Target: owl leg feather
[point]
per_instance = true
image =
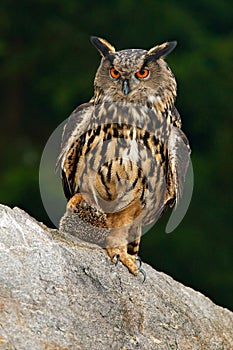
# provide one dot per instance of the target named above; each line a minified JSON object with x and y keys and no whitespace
{"x":134,"y":238}
{"x":122,"y":243}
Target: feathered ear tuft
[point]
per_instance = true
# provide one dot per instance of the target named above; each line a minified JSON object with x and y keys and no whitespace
{"x":161,"y":51}
{"x":102,"y":46}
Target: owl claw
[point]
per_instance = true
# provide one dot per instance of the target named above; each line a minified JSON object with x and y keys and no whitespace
{"x":143,"y":273}
{"x":139,"y":265}
{"x":139,"y":260}
{"x":116,"y":259}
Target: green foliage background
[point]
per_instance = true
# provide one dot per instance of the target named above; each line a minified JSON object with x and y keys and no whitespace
{"x":47,"y":69}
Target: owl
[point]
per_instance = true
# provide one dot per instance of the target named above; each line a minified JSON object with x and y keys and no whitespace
{"x":123,"y":155}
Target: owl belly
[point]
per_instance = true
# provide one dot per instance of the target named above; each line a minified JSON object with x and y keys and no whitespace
{"x":122,"y":175}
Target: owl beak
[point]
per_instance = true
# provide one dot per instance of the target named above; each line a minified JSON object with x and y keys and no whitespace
{"x":125,"y":87}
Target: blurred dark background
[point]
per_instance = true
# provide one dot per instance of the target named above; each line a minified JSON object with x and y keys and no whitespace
{"x":47,"y":69}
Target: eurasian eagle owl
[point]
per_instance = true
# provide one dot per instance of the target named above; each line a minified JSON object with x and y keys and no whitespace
{"x":123,"y":155}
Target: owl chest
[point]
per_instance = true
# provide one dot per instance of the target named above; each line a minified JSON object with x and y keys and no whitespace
{"x":115,"y":164}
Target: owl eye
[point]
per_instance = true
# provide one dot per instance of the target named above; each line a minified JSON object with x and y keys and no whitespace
{"x":114,"y":73}
{"x":143,"y":73}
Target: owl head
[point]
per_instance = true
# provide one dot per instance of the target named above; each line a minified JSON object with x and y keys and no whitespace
{"x":134,"y":75}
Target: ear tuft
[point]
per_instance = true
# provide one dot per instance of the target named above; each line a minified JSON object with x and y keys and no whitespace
{"x":161,"y":51}
{"x":102,"y":46}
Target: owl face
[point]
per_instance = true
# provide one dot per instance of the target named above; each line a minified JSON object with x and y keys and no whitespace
{"x":133,"y":75}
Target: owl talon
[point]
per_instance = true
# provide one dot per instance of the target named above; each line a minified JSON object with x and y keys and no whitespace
{"x":116,"y":259}
{"x":139,"y":264}
{"x":143,"y":273}
{"x":139,"y":260}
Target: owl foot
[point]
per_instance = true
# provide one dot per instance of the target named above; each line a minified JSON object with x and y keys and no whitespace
{"x":120,"y":254}
{"x":130,"y":261}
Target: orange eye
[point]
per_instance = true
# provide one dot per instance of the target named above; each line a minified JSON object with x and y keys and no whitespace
{"x":143,"y":73}
{"x":114,"y":73}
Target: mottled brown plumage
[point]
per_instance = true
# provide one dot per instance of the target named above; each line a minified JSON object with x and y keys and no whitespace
{"x":123,"y":155}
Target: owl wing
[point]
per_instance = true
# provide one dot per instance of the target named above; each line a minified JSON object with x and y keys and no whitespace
{"x":179,"y":158}
{"x":77,"y":124}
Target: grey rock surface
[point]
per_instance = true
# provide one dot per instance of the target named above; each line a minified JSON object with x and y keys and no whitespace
{"x":57,"y":293}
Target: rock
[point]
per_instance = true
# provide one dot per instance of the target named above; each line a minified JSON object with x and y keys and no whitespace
{"x":57,"y":293}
